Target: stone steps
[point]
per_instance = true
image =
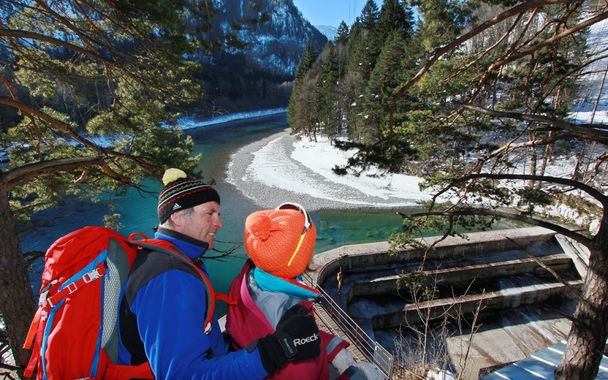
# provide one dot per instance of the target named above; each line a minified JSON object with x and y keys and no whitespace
{"x":456,"y":273}
{"x":465,"y":305}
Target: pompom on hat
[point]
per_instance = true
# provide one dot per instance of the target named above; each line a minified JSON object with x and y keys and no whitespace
{"x":280,"y":241}
{"x":181,"y":192}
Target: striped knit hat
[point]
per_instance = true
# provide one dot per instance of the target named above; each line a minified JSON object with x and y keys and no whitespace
{"x":181,"y":192}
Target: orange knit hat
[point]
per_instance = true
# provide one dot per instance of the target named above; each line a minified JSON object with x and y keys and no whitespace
{"x":280,"y":241}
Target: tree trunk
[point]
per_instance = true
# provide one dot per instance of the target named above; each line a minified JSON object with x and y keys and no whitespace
{"x":589,"y":327}
{"x":17,"y":303}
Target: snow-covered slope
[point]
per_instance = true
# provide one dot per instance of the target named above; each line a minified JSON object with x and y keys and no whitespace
{"x":275,"y":45}
{"x":328,"y":31}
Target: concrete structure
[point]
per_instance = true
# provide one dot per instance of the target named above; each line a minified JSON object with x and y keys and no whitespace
{"x":372,"y":255}
{"x":526,"y":276}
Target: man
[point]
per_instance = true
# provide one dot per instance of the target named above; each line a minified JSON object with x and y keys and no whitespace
{"x":340,"y":278}
{"x":164,"y":304}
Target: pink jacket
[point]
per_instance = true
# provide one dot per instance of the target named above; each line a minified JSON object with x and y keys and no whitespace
{"x":246,"y":322}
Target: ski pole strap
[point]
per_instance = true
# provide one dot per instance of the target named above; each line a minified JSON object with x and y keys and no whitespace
{"x":33,"y":362}
{"x":29,"y":340}
{"x":31,"y":333}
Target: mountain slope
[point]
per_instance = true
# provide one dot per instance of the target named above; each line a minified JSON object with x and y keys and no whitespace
{"x":259,"y":74}
{"x":276,"y":44}
{"x":328,"y":31}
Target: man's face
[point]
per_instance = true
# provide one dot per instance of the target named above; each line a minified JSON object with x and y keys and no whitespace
{"x":203,"y":222}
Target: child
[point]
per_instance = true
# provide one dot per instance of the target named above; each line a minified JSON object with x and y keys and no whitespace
{"x":280,"y":244}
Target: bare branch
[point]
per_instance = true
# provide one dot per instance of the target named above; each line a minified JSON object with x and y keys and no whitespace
{"x":547,"y":42}
{"x":593,"y":132}
{"x":87,"y":40}
{"x":598,"y":195}
{"x":512,"y":146}
{"x":500,"y":40}
{"x":600,"y":160}
{"x":9,"y":86}
{"x":516,"y":10}
{"x":448,"y":232}
{"x":578,"y":69}
{"x":551,"y":271}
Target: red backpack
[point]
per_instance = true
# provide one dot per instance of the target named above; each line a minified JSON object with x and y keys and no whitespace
{"x":74,"y":333}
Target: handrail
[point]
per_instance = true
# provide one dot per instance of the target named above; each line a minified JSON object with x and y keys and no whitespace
{"x":372,"y":350}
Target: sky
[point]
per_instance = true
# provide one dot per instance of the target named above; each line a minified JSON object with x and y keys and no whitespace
{"x":331,"y":12}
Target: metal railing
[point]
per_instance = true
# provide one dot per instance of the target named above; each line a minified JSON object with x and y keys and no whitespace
{"x":368,"y":347}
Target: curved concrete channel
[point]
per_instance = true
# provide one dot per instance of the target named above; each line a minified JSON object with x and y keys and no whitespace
{"x":516,"y":284}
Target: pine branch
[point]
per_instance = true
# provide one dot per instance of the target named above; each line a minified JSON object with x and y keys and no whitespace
{"x":24,"y":173}
{"x":15,"y":33}
{"x":35,"y":112}
{"x":511,"y":214}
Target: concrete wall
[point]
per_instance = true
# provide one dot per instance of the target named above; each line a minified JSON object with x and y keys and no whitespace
{"x":388,"y":285}
{"x":376,"y":254}
{"x":467,"y":304}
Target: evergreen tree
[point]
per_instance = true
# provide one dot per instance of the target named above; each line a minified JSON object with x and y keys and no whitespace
{"x":394,"y":17}
{"x":369,"y":15}
{"x":342,"y":34}
{"x":364,"y":48}
{"x":73,"y":70}
{"x":442,"y":20}
{"x":362,"y":54}
{"x":307,"y":118}
{"x":383,"y":81}
{"x":328,"y":109}
{"x":308,"y":57}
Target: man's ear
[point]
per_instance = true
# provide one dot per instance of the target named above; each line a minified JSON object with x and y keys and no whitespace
{"x":177,"y":218}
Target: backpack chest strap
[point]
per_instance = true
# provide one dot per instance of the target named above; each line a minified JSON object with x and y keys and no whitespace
{"x":99,"y":271}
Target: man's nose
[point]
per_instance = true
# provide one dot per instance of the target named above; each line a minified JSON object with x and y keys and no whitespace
{"x":219,"y":223}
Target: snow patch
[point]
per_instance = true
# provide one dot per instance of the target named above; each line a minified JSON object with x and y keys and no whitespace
{"x":193,"y":122}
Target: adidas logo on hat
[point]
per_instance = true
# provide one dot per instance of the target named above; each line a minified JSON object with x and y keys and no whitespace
{"x":176,"y":206}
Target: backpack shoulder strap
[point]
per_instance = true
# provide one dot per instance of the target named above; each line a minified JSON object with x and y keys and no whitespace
{"x":166,"y":247}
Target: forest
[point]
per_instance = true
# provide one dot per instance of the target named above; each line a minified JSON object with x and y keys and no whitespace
{"x":477,"y":97}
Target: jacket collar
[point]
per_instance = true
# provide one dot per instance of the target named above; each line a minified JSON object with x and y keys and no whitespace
{"x":193,"y":248}
{"x":293,"y":288}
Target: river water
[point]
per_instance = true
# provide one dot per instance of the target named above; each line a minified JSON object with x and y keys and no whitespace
{"x":216,"y":143}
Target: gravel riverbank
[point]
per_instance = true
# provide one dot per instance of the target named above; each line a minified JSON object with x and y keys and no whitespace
{"x":266,"y":172}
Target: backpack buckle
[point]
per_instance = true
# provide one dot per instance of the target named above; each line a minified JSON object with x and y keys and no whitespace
{"x":44,"y":293}
{"x":42,"y":299}
{"x":91,"y":276}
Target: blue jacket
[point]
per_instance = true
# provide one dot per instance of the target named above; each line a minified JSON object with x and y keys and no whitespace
{"x":169,"y":311}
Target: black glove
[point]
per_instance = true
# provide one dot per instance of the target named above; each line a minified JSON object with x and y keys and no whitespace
{"x":296,"y":338}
